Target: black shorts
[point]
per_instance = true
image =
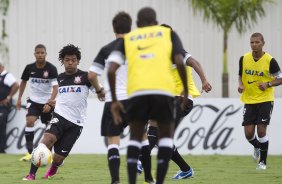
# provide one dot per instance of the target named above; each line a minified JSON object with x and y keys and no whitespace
{"x":181,"y":113}
{"x":35,"y":109}
{"x":257,"y":113}
{"x":66,"y":133}
{"x":151,"y":107}
{"x":108,"y":127}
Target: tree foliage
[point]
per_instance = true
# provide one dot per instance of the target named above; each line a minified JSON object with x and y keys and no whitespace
{"x":4,"y":6}
{"x":224,"y":13}
{"x":243,"y":14}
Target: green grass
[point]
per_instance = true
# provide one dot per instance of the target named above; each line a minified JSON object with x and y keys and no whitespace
{"x":83,"y":169}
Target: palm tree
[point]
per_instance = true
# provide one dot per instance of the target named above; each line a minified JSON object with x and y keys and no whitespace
{"x":224,"y":13}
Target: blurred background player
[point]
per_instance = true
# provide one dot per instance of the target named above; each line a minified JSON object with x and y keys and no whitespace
{"x":185,"y":170}
{"x":150,"y":51}
{"x":259,"y":72}
{"x":121,"y":25}
{"x":43,"y":90}
{"x":8,"y":87}
{"x":70,"y":111}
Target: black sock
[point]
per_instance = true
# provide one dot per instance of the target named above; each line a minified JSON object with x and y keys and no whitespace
{"x":33,"y":169}
{"x":255,"y":142}
{"x":176,"y":157}
{"x":163,"y":157}
{"x":29,"y":136}
{"x":153,"y":137}
{"x":146,"y":162}
{"x":263,"y":151}
{"x":132,"y":158}
{"x":114,"y":163}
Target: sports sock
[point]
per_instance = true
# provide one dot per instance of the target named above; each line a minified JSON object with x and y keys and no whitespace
{"x":153,"y":137}
{"x":29,"y":136}
{"x":177,"y":158}
{"x":254,"y":142}
{"x":163,"y":157}
{"x":33,"y":169}
{"x":133,"y":151}
{"x":114,"y":161}
{"x":263,"y":148}
{"x":146,"y":160}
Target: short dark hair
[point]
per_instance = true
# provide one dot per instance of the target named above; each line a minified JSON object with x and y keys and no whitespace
{"x":122,"y":23}
{"x":258,"y":35}
{"x":146,"y":17}
{"x":40,"y":46}
{"x":69,"y":49}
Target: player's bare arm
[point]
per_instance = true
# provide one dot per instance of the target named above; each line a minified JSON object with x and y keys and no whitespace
{"x":93,"y":79}
{"x":206,"y":86}
{"x":21,"y":91}
{"x":241,"y":86}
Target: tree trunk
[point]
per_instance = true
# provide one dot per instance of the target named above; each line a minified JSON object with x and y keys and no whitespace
{"x":225,"y":77}
{"x":225,"y":87}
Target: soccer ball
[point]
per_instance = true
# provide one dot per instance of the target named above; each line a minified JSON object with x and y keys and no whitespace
{"x":41,"y":156}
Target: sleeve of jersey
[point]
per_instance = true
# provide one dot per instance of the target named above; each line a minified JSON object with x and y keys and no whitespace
{"x":98,"y":63}
{"x":54,"y":76}
{"x":116,"y":57}
{"x":275,"y":69}
{"x":177,"y":47}
{"x":186,"y":56}
{"x":25,"y":75}
{"x":9,"y":80}
{"x":241,"y":66}
{"x":54,"y":82}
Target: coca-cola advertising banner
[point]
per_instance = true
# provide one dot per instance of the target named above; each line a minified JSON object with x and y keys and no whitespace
{"x":214,"y":126}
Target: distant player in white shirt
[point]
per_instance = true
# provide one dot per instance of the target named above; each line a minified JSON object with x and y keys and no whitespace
{"x":42,"y":77}
{"x":70,"y":111}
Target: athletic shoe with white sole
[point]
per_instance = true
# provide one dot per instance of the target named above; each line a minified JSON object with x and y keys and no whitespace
{"x":183,"y":175}
{"x":261,"y":166}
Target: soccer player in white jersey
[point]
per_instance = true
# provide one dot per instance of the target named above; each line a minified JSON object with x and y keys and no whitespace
{"x":70,"y":111}
{"x":42,"y":77}
{"x":121,"y":25}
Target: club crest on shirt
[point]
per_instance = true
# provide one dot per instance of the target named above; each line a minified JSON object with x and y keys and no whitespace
{"x":45,"y":74}
{"x":77,"y":80}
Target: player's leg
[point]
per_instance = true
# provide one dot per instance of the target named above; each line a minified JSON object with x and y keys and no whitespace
{"x":67,"y":134}
{"x":252,"y":139}
{"x":162,"y":111}
{"x":4,"y":111}
{"x":249,"y":119}
{"x":185,"y":170}
{"x":137,"y":116}
{"x":48,"y":141}
{"x":33,"y":112}
{"x":112,"y":133}
{"x":133,"y":149}
{"x":265,"y":111}
{"x":165,"y":149}
{"x":146,"y":159}
{"x":114,"y":157}
{"x":153,"y":133}
{"x":263,"y":141}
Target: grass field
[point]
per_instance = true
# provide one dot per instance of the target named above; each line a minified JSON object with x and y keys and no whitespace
{"x":83,"y":169}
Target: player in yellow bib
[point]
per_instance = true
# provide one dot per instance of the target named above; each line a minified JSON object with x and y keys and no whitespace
{"x":259,"y":72}
{"x":185,"y":171}
{"x":150,"y":51}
